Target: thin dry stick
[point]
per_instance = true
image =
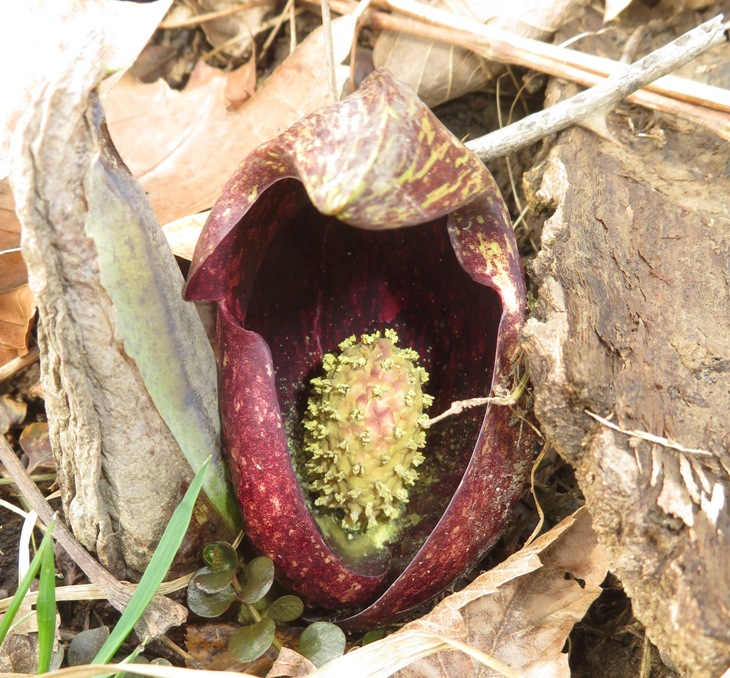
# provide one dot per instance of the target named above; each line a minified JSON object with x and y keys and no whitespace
{"x":502,"y":46}
{"x":285,"y":13}
{"x":17,"y":364}
{"x":210,"y":16}
{"x":329,"y":50}
{"x":603,"y":96}
{"x":650,"y":437}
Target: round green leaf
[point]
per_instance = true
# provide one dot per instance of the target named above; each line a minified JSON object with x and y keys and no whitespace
{"x":285,"y":609}
{"x":372,"y":636}
{"x":209,"y":581}
{"x":209,"y":605}
{"x":250,"y":642}
{"x":220,"y":555}
{"x":259,"y":575}
{"x":321,"y":642}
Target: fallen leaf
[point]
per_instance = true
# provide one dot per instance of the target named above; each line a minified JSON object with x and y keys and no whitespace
{"x":128,"y":27}
{"x":440,"y":72}
{"x":241,"y":84}
{"x":183,"y":146}
{"x":437,"y":71}
{"x":290,"y":664}
{"x":17,"y":310}
{"x":19,"y":654}
{"x":231,"y":33}
{"x":207,"y":643}
{"x":12,"y":413}
{"x":514,"y":618}
{"x":522,"y":611}
{"x":37,"y":445}
{"x":9,"y":225}
{"x":182,"y":234}
{"x":613,"y":8}
{"x":17,"y":304}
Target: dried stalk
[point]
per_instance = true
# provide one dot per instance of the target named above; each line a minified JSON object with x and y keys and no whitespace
{"x":603,"y":96}
{"x":502,"y":46}
{"x":699,"y":103}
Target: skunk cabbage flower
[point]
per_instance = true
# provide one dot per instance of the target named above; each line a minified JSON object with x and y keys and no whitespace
{"x":366,"y":277}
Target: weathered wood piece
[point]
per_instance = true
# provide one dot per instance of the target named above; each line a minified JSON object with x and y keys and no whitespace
{"x":633,"y":320}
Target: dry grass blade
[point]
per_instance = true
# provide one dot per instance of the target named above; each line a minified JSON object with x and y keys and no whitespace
{"x":502,"y":46}
{"x":210,"y":16}
{"x":94,"y":592}
{"x":329,"y":50}
{"x":152,"y":670}
{"x":395,"y":652}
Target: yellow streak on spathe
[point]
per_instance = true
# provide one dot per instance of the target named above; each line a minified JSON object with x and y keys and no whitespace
{"x":462,"y":160}
{"x":427,"y":131}
{"x":410,"y":174}
{"x":493,"y":255}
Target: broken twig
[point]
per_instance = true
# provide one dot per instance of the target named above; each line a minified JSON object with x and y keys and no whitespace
{"x":603,"y":96}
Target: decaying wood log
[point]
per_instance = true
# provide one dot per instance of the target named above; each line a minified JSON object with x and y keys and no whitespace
{"x":633,"y":322}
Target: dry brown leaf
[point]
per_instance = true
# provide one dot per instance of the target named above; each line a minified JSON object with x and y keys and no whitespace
{"x":17,"y":310}
{"x":9,"y":226}
{"x":12,"y":413}
{"x":17,"y":304}
{"x":207,"y":643}
{"x":232,"y":33}
{"x":37,"y":446}
{"x":613,"y":8}
{"x":522,"y":611}
{"x":30,"y":40}
{"x":534,"y":19}
{"x":290,"y":664}
{"x":182,"y":234}
{"x":514,"y":618}
{"x":183,"y":146}
{"x":440,"y":72}
{"x":241,"y":84}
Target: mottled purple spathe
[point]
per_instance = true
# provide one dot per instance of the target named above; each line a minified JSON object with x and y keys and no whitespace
{"x":293,"y":277}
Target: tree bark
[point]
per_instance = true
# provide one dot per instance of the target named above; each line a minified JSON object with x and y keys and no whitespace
{"x":632,"y":321}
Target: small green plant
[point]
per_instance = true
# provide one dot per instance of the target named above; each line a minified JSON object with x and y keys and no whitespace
{"x":157,"y":569}
{"x":225,"y":580}
{"x":46,"y":606}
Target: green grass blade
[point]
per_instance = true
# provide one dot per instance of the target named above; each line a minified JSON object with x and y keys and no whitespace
{"x":156,"y":570}
{"x":45,"y":610}
{"x":35,"y":564}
